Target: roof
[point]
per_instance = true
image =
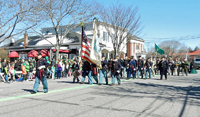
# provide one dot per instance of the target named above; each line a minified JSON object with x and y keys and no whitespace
{"x":193,"y":53}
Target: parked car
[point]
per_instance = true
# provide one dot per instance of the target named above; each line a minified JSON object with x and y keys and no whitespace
{"x":197,"y":61}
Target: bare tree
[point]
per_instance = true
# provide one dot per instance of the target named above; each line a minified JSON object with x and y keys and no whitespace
{"x":173,"y":48}
{"x":67,"y":12}
{"x":121,"y":22}
{"x":13,"y":16}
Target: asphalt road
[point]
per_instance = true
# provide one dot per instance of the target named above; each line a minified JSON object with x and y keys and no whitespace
{"x":179,"y":96}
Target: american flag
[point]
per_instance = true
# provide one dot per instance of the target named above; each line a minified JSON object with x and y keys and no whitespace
{"x":85,"y":47}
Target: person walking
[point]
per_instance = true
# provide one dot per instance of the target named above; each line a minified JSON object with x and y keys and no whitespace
{"x":125,"y":65}
{"x":115,"y":72}
{"x":103,"y":71}
{"x":132,"y":68}
{"x":148,"y":66}
{"x":41,"y":66}
{"x":163,"y":67}
{"x":140,"y":64}
{"x":86,"y":72}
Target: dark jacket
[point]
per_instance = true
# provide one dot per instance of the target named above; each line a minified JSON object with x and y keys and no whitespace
{"x":126,"y":62}
{"x":163,"y":66}
{"x":86,"y":66}
{"x":140,"y":63}
{"x":39,"y":63}
{"x":148,"y":64}
{"x":104,"y":65}
{"x":115,"y":67}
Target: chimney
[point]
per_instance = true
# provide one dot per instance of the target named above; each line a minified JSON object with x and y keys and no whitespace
{"x":25,"y":39}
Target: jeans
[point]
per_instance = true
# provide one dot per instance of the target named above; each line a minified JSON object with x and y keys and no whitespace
{"x":37,"y":83}
{"x":58,"y":74}
{"x":113,"y":78}
{"x":124,"y":72}
{"x":6,"y":78}
{"x":129,"y":73}
{"x":101,"y":74}
{"x":148,"y":71}
{"x":138,"y":73}
{"x":89,"y":77}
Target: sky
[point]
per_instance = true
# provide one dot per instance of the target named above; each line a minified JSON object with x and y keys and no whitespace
{"x":167,"y":20}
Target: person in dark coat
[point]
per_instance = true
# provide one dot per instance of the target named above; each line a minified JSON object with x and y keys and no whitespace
{"x":86,"y":68}
{"x":148,"y":65}
{"x":131,"y":69}
{"x":103,"y":71}
{"x":41,"y":66}
{"x":94,"y":73}
{"x":125,"y":65}
{"x":163,"y":67}
{"x":115,"y":71}
{"x":140,"y":64}
{"x":109,"y":67}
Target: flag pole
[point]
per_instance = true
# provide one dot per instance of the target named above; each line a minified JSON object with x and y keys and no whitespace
{"x":82,"y":24}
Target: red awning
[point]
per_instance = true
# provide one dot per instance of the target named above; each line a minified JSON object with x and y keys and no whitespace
{"x":64,"y":51}
{"x":13,"y":54}
{"x":45,"y":53}
{"x":32,"y":53}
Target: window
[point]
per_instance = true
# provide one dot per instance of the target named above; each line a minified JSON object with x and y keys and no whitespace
{"x":102,"y":54}
{"x":104,"y":36}
{"x":137,"y":47}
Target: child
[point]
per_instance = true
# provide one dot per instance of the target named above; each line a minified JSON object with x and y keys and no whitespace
{"x":6,"y":72}
{"x":11,"y":71}
{"x":24,"y":73}
{"x":53,"y":71}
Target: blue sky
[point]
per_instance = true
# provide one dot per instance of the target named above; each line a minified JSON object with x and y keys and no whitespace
{"x":167,"y":19}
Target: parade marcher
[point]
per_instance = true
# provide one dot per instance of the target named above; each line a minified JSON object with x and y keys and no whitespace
{"x":85,"y":72}
{"x":125,"y":65}
{"x":157,"y":65}
{"x":109,"y":67}
{"x":93,"y":72}
{"x":185,"y":67}
{"x":75,"y":68}
{"x":153,"y":69}
{"x":120,"y":63}
{"x":24,"y":73}
{"x":41,"y":65}
{"x":179,"y":67}
{"x":171,"y":66}
{"x":115,"y":71}
{"x":176,"y":65}
{"x":132,"y":68}
{"x":193,"y":67}
{"x":103,"y":71}
{"x":148,"y":65}
{"x":163,"y":67}
{"x":140,"y":65}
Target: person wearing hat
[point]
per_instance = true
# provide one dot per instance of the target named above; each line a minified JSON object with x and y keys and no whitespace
{"x":103,"y":71}
{"x":148,"y":65}
{"x":115,"y":71}
{"x":86,"y":69}
{"x":140,"y":64}
{"x":109,"y":67}
{"x":131,"y":69}
{"x":125,"y":65}
{"x":163,"y":67}
{"x":41,"y":66}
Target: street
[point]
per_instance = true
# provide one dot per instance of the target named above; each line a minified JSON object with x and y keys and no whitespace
{"x":179,"y":96}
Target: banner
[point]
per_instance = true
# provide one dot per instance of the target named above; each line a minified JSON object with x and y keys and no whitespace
{"x":158,"y":50}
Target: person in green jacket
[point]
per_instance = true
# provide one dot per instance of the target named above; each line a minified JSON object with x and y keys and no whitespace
{"x":27,"y":70}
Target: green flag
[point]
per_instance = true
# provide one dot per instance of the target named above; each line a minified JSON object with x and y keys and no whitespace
{"x":158,"y":50}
